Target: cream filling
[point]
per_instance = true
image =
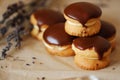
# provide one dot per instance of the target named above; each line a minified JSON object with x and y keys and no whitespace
{"x":75,"y":24}
{"x":35,"y":30}
{"x":44,"y":27}
{"x":54,"y":47}
{"x":89,"y":54}
{"x":36,"y":27}
{"x":89,"y":23}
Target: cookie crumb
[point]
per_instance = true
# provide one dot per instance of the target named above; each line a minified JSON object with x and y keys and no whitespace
{"x":6,"y":66}
{"x":113,"y":68}
{"x":1,"y":67}
{"x":33,"y":62}
{"x":28,"y":64}
{"x":41,"y":63}
{"x":34,"y":58}
{"x":43,"y":78}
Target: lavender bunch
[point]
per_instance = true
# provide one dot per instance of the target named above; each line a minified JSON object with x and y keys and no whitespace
{"x":20,"y":14}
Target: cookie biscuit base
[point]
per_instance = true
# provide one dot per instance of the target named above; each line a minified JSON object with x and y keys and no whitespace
{"x":91,"y":64}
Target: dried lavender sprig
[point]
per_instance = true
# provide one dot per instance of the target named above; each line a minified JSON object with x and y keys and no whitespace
{"x":18,"y":19}
{"x":3,"y":30}
{"x":13,"y":36}
{"x":7,"y":48}
{"x":9,"y":45}
{"x":31,"y":7}
{"x":11,"y":9}
{"x":18,"y":38}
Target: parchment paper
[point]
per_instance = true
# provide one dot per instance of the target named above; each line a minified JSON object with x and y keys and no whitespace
{"x":33,"y":62}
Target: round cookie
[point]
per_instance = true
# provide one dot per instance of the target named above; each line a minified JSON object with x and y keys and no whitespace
{"x":57,"y":41}
{"x":108,"y":31}
{"x":42,"y":19}
{"x":82,"y":19}
{"x":91,"y":53}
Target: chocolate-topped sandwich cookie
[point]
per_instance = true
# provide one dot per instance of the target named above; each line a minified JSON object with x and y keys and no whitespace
{"x":92,"y":53}
{"x":57,"y":41}
{"x":82,"y":19}
{"x":42,"y":19}
{"x":108,"y":31}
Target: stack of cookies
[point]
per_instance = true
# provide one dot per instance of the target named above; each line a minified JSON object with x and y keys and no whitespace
{"x":91,"y":50}
{"x":83,"y":34}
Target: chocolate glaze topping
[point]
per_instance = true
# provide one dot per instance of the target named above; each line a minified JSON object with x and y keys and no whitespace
{"x":107,"y":30}
{"x":48,"y":17}
{"x":82,"y":11}
{"x":56,"y":35}
{"x":100,"y":44}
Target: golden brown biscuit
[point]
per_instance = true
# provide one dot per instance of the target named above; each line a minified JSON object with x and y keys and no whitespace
{"x":91,"y":64}
{"x":59,"y":50}
{"x":82,"y":19}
